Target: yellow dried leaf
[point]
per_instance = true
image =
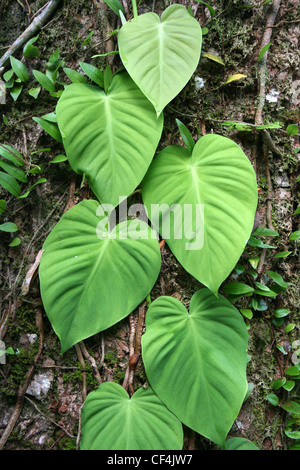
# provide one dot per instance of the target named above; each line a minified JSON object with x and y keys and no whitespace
{"x":214,"y":58}
{"x":234,"y":77}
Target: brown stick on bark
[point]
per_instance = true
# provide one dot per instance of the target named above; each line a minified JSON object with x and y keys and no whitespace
{"x":34,"y":26}
{"x":262,"y":73}
{"x":262,"y":69}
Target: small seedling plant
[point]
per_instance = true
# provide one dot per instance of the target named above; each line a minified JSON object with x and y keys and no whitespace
{"x":199,"y":197}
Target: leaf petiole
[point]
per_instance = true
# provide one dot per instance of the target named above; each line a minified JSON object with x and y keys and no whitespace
{"x":134,"y":9}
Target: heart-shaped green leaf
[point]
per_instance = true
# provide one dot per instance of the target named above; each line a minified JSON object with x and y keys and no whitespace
{"x":161,"y":54}
{"x":196,"y":362}
{"x":112,"y":421}
{"x":91,"y":277}
{"x":212,"y":193}
{"x":239,"y":443}
{"x":111,"y":138}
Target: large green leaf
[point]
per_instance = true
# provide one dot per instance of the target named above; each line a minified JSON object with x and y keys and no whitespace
{"x":239,"y":443}
{"x":110,"y":138}
{"x":213,"y":195}
{"x":161,"y":54}
{"x":92,"y":277}
{"x":196,"y":362}
{"x":113,"y":421}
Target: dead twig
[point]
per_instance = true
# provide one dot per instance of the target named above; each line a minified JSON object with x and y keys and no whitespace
{"x":32,"y":29}
{"x":105,"y":27}
{"x":82,"y":363}
{"x":267,"y":141}
{"x":268,"y":214}
{"x":48,"y":418}
{"x":262,"y":66}
{"x":129,"y":374}
{"x":92,"y":361}
{"x":135,"y":338}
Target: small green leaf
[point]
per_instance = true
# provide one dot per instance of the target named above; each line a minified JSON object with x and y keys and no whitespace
{"x":293,"y":370}
{"x":107,"y":78}
{"x":16,"y":241}
{"x":41,"y":180}
{"x":254,"y":261}
{"x":247,"y":313}
{"x":279,"y":383}
{"x":265,"y":232}
{"x":106,"y":54}
{"x":19,"y":69}
{"x":209,"y":7}
{"x":297,"y":211}
{"x":15,"y":92}
{"x":51,"y":117}
{"x":34,"y":92}
{"x":9,"y":183}
{"x":281,"y":312}
{"x":8,"y":75}
{"x":294,"y":235}
{"x":289,"y":327}
{"x":88,"y":39}
{"x":292,"y":434}
{"x":74,"y":76}
{"x":44,"y":81}
{"x":292,"y":129}
{"x":54,"y":57}
{"x":59,"y":159}
{"x":189,"y":9}
{"x":258,"y":243}
{"x":265,"y":293}
{"x":50,"y":127}
{"x":279,"y":346}
{"x":259,"y":304}
{"x":13,"y":171}
{"x":186,"y":135}
{"x":93,"y":73}
{"x":31,"y":51}
{"x":116,"y":6}
{"x":263,"y":51}
{"x":9,"y":227}
{"x":278,"y":279}
{"x":261,"y":286}
{"x":291,"y":407}
{"x":237,"y":288}
{"x":273,"y":399}
{"x":274,"y":125}
{"x":289,"y":385}
{"x":239,"y":269}
{"x":2,"y":206}
{"x":11,"y":154}
{"x":10,"y":350}
{"x":282,"y":254}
